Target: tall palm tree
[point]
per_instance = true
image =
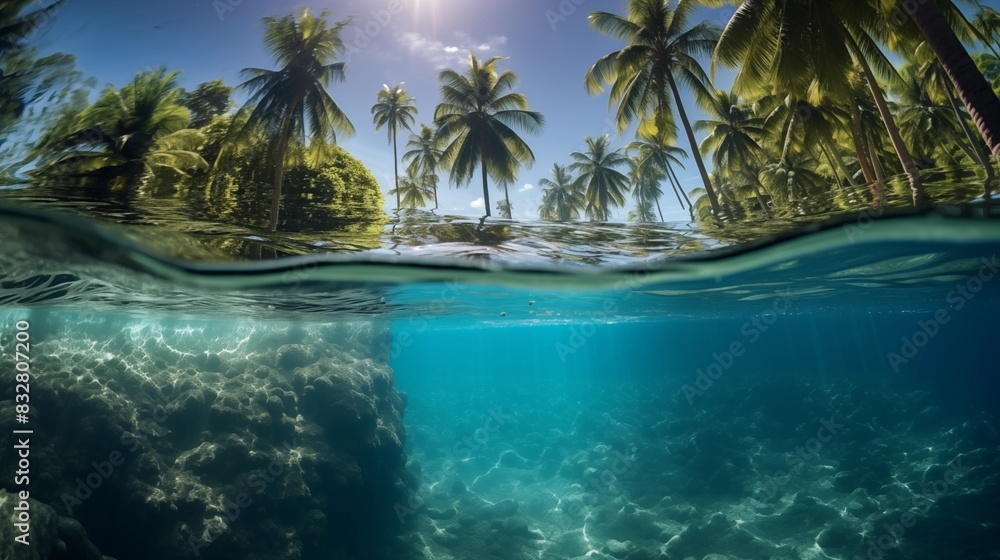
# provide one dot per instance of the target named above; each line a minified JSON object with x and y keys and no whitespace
{"x":476,"y":121}
{"x":732,"y":140}
{"x":291,"y":103}
{"x":661,"y":50}
{"x":598,"y":171}
{"x":395,"y":109}
{"x":127,"y":135}
{"x":561,"y":199}
{"x":423,"y":157}
{"x":979,"y":98}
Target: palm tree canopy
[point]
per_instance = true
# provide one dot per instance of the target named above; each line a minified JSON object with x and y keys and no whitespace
{"x":304,"y":49}
{"x":604,"y":185}
{"x":476,"y":120}
{"x":659,"y":41}
{"x":395,"y":109}
{"x":733,"y":129}
{"x":424,"y":154}
{"x":141,"y":127}
{"x":561,"y":199}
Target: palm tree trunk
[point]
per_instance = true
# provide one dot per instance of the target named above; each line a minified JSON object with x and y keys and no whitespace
{"x":694,"y":146}
{"x":680,"y":188}
{"x":905,"y":159}
{"x":979,"y":98}
{"x":876,"y":162}
{"x":875,"y":185}
{"x":435,"y":196}
{"x":506,"y":196}
{"x":973,"y":141}
{"x":395,"y":161}
{"x":840,"y":163}
{"x":833,"y":165}
{"x":753,"y":183}
{"x":486,"y":190}
{"x":658,"y":210}
{"x":789,"y":132}
{"x":281,"y":146}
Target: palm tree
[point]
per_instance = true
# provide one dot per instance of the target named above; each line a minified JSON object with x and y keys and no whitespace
{"x":979,"y":98}
{"x":810,"y":49}
{"x":654,"y":156}
{"x":924,"y":121}
{"x":412,"y":192}
{"x":643,"y":212}
{"x":732,"y":140}
{"x":424,"y":157}
{"x":647,"y":192}
{"x":292,"y":102}
{"x":987,"y":22}
{"x":15,"y":27}
{"x":604,"y":186}
{"x":562,"y":199}
{"x":127,"y":135}
{"x":476,"y":121}
{"x":394,"y":110}
{"x":504,"y":208}
{"x":661,"y":50}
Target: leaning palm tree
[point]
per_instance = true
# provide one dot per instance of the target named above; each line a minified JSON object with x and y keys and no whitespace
{"x":394,"y":110}
{"x":598,"y":171}
{"x":291,"y":104}
{"x":127,"y":136}
{"x":979,"y":98}
{"x":810,"y":49}
{"x":476,"y":121}
{"x":423,"y":157}
{"x":561,"y":199}
{"x":17,"y":23}
{"x":661,"y":50}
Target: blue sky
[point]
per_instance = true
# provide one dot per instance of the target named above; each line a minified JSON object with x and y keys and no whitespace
{"x":206,"y":39}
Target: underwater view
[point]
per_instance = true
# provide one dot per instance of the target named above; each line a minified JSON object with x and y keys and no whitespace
{"x":630,"y":280}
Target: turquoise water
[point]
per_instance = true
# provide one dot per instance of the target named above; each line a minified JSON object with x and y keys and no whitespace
{"x":830,"y":395}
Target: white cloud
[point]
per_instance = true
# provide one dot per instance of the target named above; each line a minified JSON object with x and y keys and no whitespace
{"x":527,"y":187}
{"x":444,"y":55}
{"x":478,"y":203}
